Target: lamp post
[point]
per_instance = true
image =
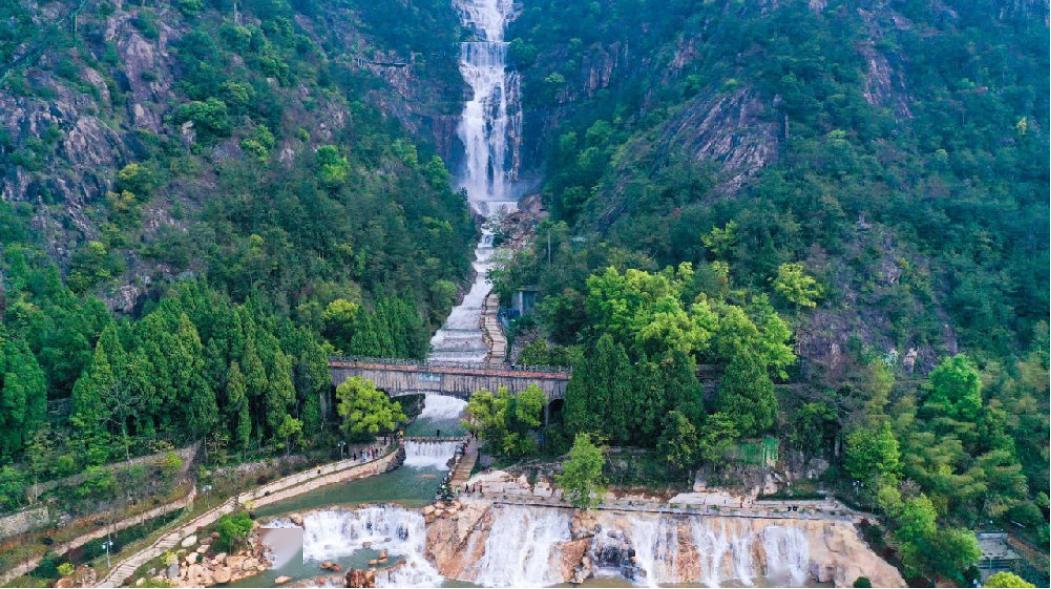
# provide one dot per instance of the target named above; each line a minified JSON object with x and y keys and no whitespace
{"x":108,"y":544}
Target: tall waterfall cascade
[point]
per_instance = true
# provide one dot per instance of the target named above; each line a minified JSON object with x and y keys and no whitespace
{"x":490,"y":130}
{"x":491,"y":121}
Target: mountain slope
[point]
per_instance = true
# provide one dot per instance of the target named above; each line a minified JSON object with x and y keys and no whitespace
{"x":896,"y":149}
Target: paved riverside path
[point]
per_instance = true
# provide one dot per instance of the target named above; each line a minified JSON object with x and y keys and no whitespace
{"x":283,"y":488}
{"x":28,"y":566}
{"x":803,"y":510}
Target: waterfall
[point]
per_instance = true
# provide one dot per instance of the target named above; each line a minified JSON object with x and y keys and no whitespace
{"x":522,"y":548}
{"x":441,"y":407}
{"x":787,"y":554}
{"x":429,"y":454}
{"x":335,"y":533}
{"x":491,"y":120}
{"x":489,"y":128}
{"x":437,"y":407}
{"x":652,"y":550}
{"x":646,"y":551}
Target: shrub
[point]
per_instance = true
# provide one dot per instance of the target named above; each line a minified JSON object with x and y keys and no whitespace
{"x":233,"y":530}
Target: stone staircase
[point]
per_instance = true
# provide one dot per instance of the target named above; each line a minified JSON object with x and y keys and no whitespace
{"x":463,"y":468}
{"x":492,"y":332}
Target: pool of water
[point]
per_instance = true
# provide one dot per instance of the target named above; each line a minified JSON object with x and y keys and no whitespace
{"x":441,"y":415}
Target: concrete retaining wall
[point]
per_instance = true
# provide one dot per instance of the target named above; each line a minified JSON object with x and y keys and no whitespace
{"x":30,"y":518}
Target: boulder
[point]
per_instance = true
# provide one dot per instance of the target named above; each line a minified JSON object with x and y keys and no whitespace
{"x":296,"y":519}
{"x":282,"y":580}
{"x":360,"y":578}
{"x":234,"y":561}
{"x":328,"y":565}
{"x":188,"y":541}
{"x":223,"y":575}
{"x":202,"y":549}
{"x":219,"y":558}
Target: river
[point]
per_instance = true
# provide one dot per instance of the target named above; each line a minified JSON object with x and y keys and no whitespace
{"x":491,"y":545}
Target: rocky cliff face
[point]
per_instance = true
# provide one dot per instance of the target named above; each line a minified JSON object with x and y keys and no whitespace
{"x":95,"y":93}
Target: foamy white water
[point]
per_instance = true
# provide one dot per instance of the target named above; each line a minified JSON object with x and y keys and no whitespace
{"x":429,"y":454}
{"x":336,"y":533}
{"x":489,"y":128}
{"x":437,"y":407}
{"x":522,"y":549}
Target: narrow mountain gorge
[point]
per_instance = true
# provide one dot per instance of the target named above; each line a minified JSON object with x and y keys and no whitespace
{"x":753,"y":292}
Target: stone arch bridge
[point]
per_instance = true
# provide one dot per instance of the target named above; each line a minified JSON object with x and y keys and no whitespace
{"x":399,"y":377}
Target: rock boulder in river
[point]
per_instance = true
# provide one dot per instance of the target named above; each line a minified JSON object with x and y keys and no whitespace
{"x":360,"y":578}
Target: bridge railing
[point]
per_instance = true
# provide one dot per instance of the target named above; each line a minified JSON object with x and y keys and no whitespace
{"x":428,"y":364}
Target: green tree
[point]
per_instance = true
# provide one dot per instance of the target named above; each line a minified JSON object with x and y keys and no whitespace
{"x":581,"y":478}
{"x":1006,"y":579}
{"x":505,"y":421}
{"x":280,"y":394}
{"x":715,"y":436}
{"x":678,"y":442}
{"x":233,"y":530}
{"x":746,"y":394}
{"x":872,"y":455}
{"x":333,"y":168}
{"x":196,"y":395}
{"x":339,"y":317}
{"x":796,"y":286}
{"x":955,"y":389}
{"x":291,"y":431}
{"x":366,"y":411}
{"x":23,"y":397}
{"x":239,"y":421}
{"x":814,"y":427}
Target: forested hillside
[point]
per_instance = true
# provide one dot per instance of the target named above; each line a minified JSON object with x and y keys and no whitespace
{"x":838,"y":207}
{"x":201,"y":202}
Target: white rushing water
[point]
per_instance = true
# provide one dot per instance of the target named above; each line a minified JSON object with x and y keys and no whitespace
{"x":489,"y":129}
{"x":336,"y":533}
{"x":439,"y":407}
{"x":491,"y":120}
{"x":653,"y":550}
{"x":787,"y":555}
{"x":429,"y":454}
{"x":522,"y":548}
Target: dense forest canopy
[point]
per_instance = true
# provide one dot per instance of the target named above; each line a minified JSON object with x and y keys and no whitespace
{"x":268,"y":217}
{"x":818,"y":226}
{"x":867,"y":181}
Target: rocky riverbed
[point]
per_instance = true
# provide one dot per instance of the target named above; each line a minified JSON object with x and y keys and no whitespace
{"x":195,"y":563}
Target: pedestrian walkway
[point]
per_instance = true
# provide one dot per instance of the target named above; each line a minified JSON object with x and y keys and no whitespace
{"x":465,"y":466}
{"x":797,"y":512}
{"x":492,"y":333}
{"x":272,"y":492}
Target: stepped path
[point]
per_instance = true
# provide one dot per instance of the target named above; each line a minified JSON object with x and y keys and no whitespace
{"x":492,"y":333}
{"x":465,"y":466}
